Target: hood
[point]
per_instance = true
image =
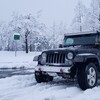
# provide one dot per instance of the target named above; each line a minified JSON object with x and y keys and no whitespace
{"x":77,"y":49}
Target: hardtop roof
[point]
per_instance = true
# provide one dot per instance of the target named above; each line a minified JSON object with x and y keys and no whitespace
{"x":82,"y":33}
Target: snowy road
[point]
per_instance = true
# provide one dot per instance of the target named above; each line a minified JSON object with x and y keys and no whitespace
{"x":8,"y":72}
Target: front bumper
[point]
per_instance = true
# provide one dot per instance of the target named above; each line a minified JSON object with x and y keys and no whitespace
{"x":53,"y":69}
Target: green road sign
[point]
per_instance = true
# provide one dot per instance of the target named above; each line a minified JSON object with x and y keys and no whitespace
{"x":16,"y":36}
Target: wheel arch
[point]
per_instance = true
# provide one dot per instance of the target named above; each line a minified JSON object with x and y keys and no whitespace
{"x":83,"y":59}
{"x":95,"y":61}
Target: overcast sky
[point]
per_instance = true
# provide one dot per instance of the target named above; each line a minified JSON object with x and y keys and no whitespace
{"x":52,"y":10}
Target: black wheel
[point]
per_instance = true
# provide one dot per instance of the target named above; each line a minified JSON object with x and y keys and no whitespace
{"x":38,"y":77}
{"x":50,"y":78}
{"x":42,"y":77}
{"x":87,"y":76}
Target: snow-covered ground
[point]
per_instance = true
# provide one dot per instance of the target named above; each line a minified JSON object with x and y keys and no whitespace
{"x":9,"y":60}
{"x":24,"y":87}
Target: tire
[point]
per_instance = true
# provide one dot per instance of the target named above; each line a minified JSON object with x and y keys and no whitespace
{"x":50,"y":78}
{"x":87,"y":76}
{"x":38,"y":77}
{"x":42,"y":77}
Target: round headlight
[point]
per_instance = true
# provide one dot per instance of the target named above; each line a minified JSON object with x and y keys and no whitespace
{"x":70,"y":55}
{"x":43,"y":58}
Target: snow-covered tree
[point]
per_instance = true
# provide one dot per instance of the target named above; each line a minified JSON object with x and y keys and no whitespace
{"x":56,"y":34}
{"x":35,"y":36}
{"x":78,"y":21}
{"x":92,"y":20}
{"x":5,"y":37}
{"x":28,"y":27}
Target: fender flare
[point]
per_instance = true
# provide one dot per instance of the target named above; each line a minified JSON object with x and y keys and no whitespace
{"x":83,"y":57}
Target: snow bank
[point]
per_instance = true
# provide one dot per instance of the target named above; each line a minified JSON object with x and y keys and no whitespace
{"x":9,"y":60}
{"x":26,"y":88}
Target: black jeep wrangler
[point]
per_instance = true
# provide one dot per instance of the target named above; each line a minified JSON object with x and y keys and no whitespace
{"x":77,"y":58}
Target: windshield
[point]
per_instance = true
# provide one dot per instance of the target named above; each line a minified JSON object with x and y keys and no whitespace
{"x":79,"y":40}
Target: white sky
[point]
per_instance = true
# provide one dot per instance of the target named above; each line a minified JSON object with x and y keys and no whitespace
{"x":52,"y":10}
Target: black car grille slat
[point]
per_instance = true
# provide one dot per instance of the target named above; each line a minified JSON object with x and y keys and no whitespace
{"x":58,"y":58}
{"x":50,"y":59}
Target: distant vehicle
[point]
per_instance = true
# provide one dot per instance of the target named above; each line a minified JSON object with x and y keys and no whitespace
{"x":77,"y":58}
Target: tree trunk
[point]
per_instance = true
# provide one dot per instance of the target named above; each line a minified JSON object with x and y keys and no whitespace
{"x":26,"y":39}
{"x":80,"y":28}
{"x":30,"y":47}
{"x":8,"y":46}
{"x":26,"y":43}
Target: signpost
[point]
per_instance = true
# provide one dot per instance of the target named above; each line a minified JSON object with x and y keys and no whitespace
{"x":16,"y":38}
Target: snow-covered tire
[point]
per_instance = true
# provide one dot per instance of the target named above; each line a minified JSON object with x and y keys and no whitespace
{"x":87,"y":76}
{"x":50,"y":78}
{"x":42,"y":77}
{"x":38,"y":77}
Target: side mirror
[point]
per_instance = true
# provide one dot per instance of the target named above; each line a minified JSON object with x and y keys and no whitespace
{"x":60,"y":46}
{"x":35,"y":58}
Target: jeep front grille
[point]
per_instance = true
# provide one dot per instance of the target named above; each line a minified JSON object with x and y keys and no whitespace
{"x":58,"y":58}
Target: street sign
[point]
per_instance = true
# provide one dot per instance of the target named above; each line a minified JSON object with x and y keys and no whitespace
{"x":16,"y":36}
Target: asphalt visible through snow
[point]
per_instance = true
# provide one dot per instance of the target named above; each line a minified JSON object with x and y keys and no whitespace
{"x":8,"y":72}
